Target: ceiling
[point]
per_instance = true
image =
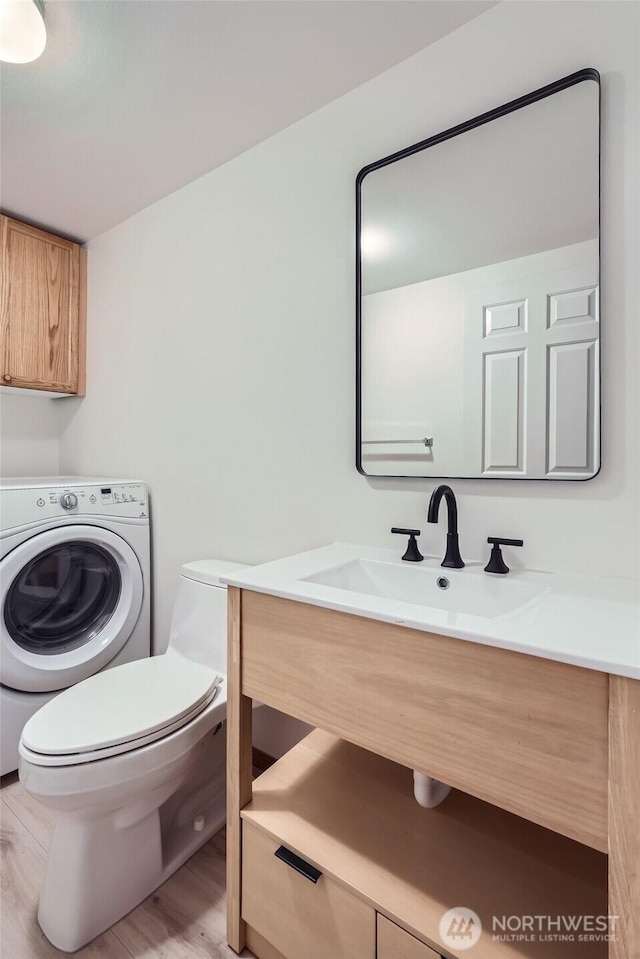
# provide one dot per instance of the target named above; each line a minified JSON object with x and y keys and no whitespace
{"x":133,"y":99}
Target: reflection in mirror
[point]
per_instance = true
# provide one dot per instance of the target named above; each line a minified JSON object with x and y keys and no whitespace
{"x":478,"y":306}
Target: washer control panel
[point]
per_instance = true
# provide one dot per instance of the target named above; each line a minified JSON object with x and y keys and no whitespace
{"x":32,"y":504}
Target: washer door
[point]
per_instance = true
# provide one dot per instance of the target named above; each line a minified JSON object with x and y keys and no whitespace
{"x":70,"y":600}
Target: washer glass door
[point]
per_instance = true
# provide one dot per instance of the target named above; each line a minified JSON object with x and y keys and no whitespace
{"x":70,"y":597}
{"x":62,"y":598}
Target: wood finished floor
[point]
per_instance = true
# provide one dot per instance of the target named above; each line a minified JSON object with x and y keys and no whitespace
{"x":183,"y":919}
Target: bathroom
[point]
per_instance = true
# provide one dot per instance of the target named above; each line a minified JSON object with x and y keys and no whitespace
{"x":220,"y":333}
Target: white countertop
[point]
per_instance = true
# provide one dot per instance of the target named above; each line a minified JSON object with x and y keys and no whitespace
{"x":587,"y":621}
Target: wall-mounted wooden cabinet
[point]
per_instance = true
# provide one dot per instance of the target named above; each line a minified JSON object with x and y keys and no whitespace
{"x":42,"y":310}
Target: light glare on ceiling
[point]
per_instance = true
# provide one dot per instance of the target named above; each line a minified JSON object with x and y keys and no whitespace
{"x":23,"y":36}
{"x":375,"y":242}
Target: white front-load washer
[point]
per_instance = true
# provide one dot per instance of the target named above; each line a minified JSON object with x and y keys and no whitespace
{"x":74,"y":589}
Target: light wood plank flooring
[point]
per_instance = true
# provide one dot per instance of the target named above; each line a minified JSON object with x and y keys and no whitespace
{"x":183,"y":919}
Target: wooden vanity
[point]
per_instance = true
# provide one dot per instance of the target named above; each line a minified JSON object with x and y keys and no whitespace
{"x":543,"y":758}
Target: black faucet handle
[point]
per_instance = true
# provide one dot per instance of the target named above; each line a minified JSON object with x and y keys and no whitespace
{"x":496,"y":563}
{"x":412,"y":554}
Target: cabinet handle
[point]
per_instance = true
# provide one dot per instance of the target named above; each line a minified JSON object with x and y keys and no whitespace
{"x":7,"y":378}
{"x":300,"y":865}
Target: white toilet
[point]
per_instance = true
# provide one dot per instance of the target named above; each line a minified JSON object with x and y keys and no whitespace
{"x":133,"y":762}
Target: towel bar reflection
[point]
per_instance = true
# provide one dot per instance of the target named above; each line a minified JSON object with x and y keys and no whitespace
{"x":424,"y":441}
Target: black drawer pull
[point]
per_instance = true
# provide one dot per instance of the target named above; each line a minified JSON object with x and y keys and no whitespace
{"x":300,"y":865}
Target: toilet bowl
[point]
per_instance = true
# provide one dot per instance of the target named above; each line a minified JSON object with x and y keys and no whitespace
{"x":132,"y":761}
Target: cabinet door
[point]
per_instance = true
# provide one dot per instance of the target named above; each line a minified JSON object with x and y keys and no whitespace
{"x":40,"y":309}
{"x":301,"y":917}
{"x":395,"y":943}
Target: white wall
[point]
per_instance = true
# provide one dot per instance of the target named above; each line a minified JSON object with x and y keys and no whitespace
{"x":412,"y":361}
{"x":30,"y":430}
{"x":221,"y":325}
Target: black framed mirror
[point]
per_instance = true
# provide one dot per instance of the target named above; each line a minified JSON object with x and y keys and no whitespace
{"x":477,"y":295}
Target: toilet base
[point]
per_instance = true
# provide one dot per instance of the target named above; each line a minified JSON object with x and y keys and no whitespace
{"x":102,"y":864}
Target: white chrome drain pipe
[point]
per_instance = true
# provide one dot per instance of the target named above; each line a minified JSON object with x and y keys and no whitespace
{"x":429,"y":792}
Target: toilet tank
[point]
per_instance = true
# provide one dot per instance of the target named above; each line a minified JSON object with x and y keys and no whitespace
{"x":199,"y":622}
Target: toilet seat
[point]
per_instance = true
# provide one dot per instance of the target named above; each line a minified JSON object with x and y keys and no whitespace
{"x":119,"y":710}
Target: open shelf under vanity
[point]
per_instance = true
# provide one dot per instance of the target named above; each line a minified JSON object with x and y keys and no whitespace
{"x":391,"y":869}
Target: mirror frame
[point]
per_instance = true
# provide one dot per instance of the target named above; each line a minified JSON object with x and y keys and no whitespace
{"x":588,"y":73}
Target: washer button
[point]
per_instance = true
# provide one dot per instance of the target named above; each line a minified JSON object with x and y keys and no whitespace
{"x":41,"y":502}
{"x":92,"y":498}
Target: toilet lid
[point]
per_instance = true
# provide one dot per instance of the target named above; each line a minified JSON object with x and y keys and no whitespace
{"x":120,"y":705}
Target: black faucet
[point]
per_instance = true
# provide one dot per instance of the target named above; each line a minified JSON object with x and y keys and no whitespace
{"x":452,"y":558}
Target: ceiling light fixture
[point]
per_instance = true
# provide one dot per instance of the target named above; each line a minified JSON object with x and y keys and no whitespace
{"x":23,"y":36}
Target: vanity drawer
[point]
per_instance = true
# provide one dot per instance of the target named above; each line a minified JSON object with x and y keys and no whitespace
{"x":301,"y":918}
{"x":395,"y":943}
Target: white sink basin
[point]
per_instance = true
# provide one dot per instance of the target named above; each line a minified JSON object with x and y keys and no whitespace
{"x":584,"y":620}
{"x":469,"y":590}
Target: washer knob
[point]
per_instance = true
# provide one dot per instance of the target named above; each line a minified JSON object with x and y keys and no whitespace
{"x":68,"y":501}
